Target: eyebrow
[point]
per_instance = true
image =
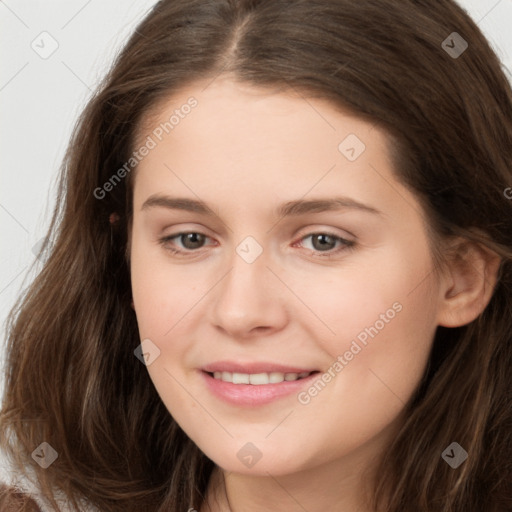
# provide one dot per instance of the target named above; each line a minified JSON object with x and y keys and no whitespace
{"x":290,"y":208}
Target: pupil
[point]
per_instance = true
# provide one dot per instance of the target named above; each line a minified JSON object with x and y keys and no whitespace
{"x":323,"y":239}
{"x":193,"y":240}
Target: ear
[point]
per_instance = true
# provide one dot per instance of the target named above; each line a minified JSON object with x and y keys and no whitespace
{"x":467,"y":284}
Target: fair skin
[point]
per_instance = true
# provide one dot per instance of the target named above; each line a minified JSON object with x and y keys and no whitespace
{"x":245,"y":151}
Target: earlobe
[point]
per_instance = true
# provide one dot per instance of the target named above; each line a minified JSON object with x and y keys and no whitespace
{"x":468,"y":285}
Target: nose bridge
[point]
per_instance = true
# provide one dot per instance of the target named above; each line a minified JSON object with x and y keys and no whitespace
{"x":247,"y":281}
{"x":247,"y":298}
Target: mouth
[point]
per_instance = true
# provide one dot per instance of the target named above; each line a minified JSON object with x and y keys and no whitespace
{"x":257,"y":388}
{"x":261,"y":378}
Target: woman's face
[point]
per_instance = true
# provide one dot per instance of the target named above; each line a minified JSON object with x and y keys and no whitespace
{"x":304,"y":254}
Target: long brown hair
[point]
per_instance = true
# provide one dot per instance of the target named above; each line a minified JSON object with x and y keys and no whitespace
{"x":72,"y":379}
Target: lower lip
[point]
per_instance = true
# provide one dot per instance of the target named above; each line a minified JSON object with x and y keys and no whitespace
{"x":252,"y":395}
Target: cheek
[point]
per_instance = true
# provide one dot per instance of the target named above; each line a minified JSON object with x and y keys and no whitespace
{"x":162,"y":292}
{"x":378,"y":357}
{"x":379,"y":316}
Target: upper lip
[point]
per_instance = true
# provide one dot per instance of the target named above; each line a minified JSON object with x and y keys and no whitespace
{"x":253,"y":367}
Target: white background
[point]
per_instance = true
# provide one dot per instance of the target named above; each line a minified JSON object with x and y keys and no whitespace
{"x":40,"y":100}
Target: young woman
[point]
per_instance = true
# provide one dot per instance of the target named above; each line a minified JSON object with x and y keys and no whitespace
{"x":279,"y":273}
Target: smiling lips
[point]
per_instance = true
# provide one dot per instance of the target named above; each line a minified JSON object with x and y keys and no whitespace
{"x":254,"y":383}
{"x":255,"y":373}
{"x":257,"y":379}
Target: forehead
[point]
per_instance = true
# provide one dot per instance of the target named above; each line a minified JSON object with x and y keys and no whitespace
{"x":223,"y":106}
{"x":279,"y":143}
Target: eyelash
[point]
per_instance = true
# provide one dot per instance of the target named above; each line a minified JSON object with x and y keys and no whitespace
{"x":346,"y":244}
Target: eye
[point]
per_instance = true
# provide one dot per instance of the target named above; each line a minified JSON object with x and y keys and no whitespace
{"x":189,"y":241}
{"x":326,"y":243}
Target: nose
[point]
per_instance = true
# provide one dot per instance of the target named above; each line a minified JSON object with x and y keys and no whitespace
{"x":249,"y":301}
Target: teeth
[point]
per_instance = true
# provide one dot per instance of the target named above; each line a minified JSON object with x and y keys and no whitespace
{"x":240,"y":378}
{"x":275,"y":377}
{"x":258,"y":379}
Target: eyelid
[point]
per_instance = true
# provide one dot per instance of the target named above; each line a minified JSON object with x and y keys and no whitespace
{"x":320,"y":229}
{"x":166,"y":238}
